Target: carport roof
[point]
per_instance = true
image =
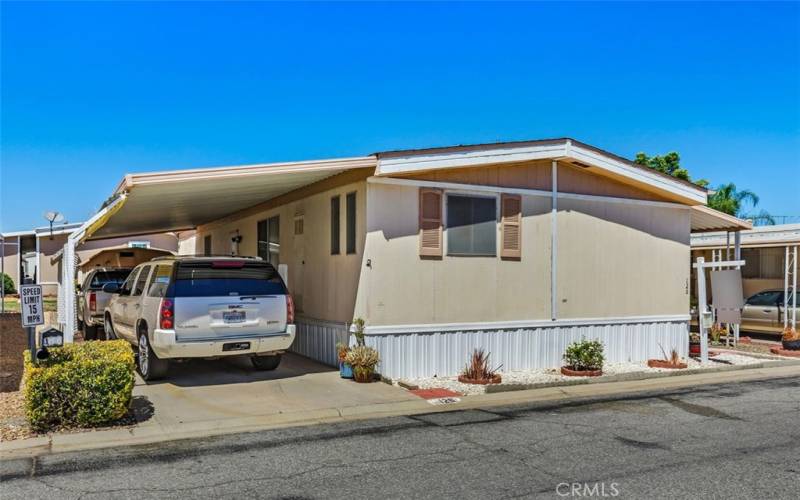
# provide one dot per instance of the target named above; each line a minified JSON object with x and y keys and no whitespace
{"x":183,"y":199}
{"x":705,"y":219}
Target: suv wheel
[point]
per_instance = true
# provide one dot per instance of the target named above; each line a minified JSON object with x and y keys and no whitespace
{"x":151,"y":367}
{"x":266,"y":362}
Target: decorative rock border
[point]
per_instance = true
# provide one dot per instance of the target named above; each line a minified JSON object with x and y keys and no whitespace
{"x":569,"y":372}
{"x":785,"y":352}
{"x":660,"y":363}
{"x":496,"y":379}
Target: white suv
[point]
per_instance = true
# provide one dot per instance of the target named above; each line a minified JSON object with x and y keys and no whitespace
{"x":201,"y":307}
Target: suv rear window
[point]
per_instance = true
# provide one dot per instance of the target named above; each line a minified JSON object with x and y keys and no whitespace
{"x":216,"y":279}
{"x":102,"y":277}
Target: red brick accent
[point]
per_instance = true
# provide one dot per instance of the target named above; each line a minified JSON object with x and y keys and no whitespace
{"x":434,"y":393}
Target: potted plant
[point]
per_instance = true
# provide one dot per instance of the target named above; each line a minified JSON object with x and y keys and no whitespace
{"x":673,"y":361}
{"x":345,"y":369}
{"x":716,"y":333}
{"x":694,"y":344}
{"x":790,"y":339}
{"x":363,"y":359}
{"x":584,"y":359}
{"x":477,"y":370}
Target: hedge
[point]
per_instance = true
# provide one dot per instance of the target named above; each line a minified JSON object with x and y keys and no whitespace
{"x":79,"y":385}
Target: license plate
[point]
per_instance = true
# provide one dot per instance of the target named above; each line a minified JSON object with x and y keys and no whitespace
{"x":236,"y":346}
{"x":233,"y":316}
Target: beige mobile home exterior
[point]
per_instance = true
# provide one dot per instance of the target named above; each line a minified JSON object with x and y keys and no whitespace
{"x":519,"y":248}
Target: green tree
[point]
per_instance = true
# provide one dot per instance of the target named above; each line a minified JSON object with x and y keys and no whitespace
{"x":727,"y":198}
{"x":8,"y":284}
{"x":669,"y":164}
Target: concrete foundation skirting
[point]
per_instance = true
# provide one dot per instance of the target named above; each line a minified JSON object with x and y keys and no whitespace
{"x":316,"y":339}
{"x":425,"y":354}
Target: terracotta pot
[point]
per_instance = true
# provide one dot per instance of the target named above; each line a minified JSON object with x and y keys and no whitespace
{"x":363,"y":374}
{"x":569,"y":372}
{"x":660,"y":363}
{"x":483,"y":381}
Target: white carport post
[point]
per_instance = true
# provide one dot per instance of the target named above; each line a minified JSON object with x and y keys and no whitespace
{"x":790,"y":267}
{"x":67,"y":313}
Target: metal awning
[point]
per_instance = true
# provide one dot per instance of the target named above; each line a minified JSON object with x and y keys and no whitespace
{"x":184,"y":199}
{"x":705,"y":219}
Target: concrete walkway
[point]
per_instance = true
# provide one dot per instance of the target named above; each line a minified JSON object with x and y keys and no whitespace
{"x":347,"y":401}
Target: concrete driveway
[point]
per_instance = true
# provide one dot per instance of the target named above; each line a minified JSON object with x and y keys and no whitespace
{"x":200,"y":391}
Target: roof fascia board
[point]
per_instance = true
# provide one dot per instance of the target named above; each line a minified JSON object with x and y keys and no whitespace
{"x":210,"y":174}
{"x":566,"y":150}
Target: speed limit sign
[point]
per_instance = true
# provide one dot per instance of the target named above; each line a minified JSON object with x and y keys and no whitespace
{"x":30,"y":298}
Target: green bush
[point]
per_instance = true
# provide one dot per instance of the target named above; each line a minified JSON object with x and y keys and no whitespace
{"x":8,"y":284}
{"x":585,"y":355}
{"x":80,"y":385}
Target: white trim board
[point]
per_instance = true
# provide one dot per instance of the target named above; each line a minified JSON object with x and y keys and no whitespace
{"x":521,"y":324}
{"x":476,"y":188}
{"x":511,"y":154}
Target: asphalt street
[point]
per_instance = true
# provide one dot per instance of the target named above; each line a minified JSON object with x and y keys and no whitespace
{"x":734,"y":441}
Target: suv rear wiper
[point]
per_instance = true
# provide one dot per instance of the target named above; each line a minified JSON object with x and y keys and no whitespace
{"x":253,"y":297}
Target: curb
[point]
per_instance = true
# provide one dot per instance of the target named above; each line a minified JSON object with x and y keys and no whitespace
{"x":622,"y":385}
{"x":631,"y":377}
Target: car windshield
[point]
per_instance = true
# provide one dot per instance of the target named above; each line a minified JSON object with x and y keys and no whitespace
{"x":767,"y":298}
{"x":225,"y":278}
{"x":103,"y":277}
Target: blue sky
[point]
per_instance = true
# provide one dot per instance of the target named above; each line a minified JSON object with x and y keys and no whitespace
{"x":92,"y":91}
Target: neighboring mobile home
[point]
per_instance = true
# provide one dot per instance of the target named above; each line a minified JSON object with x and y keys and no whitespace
{"x":520,"y":248}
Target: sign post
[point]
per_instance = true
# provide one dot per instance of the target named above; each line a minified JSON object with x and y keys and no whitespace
{"x":32,"y":309}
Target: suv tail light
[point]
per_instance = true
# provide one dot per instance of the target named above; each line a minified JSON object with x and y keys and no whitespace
{"x":93,"y":301}
{"x":289,"y":309}
{"x":166,"y":315}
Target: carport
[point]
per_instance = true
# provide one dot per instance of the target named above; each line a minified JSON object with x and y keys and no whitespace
{"x":184,"y":199}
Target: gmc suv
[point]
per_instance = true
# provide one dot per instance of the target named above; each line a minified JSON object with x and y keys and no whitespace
{"x":201,"y":307}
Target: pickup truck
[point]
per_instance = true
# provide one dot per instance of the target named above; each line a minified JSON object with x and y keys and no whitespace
{"x":92,"y":299}
{"x":202,"y":307}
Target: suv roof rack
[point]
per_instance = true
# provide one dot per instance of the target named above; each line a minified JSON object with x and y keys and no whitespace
{"x":203,"y":256}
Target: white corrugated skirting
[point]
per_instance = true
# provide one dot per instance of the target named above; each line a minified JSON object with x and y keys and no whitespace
{"x":414,"y":355}
{"x":317,"y":339}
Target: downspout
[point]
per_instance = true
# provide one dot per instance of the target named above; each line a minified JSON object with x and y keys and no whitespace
{"x":554,"y":244}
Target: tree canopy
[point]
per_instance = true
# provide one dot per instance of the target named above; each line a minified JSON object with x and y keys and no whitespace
{"x":726,"y":198}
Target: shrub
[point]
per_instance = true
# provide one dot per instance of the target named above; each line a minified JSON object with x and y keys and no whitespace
{"x":79,"y":385}
{"x":8,"y":284}
{"x":362,"y":356}
{"x":585,"y":355}
{"x":478,"y":367}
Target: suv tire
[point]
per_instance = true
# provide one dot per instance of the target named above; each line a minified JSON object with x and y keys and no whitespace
{"x":89,"y":332}
{"x":266,"y":363}
{"x":151,"y":367}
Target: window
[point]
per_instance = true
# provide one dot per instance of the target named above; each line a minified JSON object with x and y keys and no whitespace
{"x":139,"y":244}
{"x":350,"y":228}
{"x":269,"y":243}
{"x":101,"y":278}
{"x":767,"y":298}
{"x":127,"y":286}
{"x":202,"y":279}
{"x":140,"y":282}
{"x":335,"y":248}
{"x":160,"y":282}
{"x":471,"y":225}
{"x":207,"y":245}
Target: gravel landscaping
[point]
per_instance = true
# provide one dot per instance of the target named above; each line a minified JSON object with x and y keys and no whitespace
{"x":553,"y":375}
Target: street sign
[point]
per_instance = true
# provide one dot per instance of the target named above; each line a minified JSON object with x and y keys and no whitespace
{"x":32,"y":308}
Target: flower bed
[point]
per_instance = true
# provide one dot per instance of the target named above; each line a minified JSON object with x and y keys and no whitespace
{"x":554,"y":376}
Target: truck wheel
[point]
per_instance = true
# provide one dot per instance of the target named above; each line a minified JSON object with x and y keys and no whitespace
{"x":89,"y":332}
{"x":266,"y":363}
{"x":108,"y":329}
{"x":151,"y":367}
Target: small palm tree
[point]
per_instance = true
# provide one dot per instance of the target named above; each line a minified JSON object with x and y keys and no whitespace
{"x":726,"y":198}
